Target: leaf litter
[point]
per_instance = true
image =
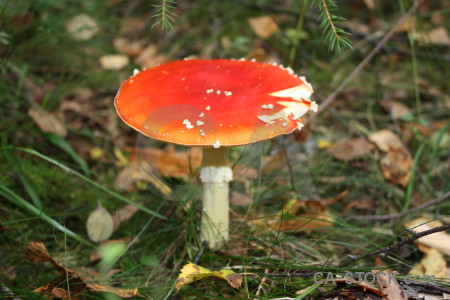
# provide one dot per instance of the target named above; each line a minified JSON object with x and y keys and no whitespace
{"x":90,"y":278}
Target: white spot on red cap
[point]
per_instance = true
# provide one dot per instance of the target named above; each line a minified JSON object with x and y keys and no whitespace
{"x":201,"y":115}
{"x":217,"y":144}
{"x":199,"y":123}
{"x":208,"y":107}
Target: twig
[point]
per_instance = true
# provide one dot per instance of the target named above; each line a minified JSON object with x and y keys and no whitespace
{"x":395,"y":245}
{"x":400,"y":215}
{"x":424,"y":284}
{"x":365,"y":61}
{"x":200,"y":252}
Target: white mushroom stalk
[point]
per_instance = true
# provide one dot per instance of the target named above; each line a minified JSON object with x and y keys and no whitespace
{"x":215,"y":175}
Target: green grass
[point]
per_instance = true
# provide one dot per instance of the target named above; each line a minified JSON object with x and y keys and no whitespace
{"x":50,"y":184}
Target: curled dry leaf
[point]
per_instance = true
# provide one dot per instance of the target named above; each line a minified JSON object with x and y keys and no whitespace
{"x":350,"y":149}
{"x":49,"y":291}
{"x":114,"y":62}
{"x":99,"y":225}
{"x":47,"y":121}
{"x":397,"y":164}
{"x":82,"y":27}
{"x":263,"y":26}
{"x":192,"y":272}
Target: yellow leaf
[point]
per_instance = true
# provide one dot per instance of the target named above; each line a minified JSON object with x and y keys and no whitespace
{"x":192,"y":272}
{"x":96,"y":153}
{"x":122,"y":160}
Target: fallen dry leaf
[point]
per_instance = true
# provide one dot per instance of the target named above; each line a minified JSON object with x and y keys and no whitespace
{"x":396,"y":109}
{"x":114,"y":62}
{"x":82,"y":27}
{"x":389,"y":287}
{"x":351,"y":149}
{"x":47,"y":121}
{"x":36,"y":251}
{"x":263,"y":26}
{"x":132,"y":174}
{"x":7,"y":272}
{"x":127,"y":47}
{"x":99,"y":225}
{"x":433,"y":263}
{"x":192,"y":272}
{"x":439,"y":36}
{"x":150,"y":57}
{"x":167,"y":161}
{"x":123,"y":214}
{"x":396,"y":165}
{"x":439,"y":240}
{"x":49,"y":291}
{"x":238,"y":199}
{"x":362,"y":284}
{"x":386,"y":139}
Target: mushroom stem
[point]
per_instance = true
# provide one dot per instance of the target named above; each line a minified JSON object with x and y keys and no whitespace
{"x":215,"y":175}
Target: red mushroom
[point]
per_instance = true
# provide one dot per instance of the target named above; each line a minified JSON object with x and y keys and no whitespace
{"x":215,"y":104}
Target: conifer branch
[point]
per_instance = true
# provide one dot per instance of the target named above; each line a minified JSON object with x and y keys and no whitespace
{"x":165,"y":14}
{"x":336,"y":37}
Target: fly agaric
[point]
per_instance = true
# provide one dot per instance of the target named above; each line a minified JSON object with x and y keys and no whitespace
{"x":214,"y":104}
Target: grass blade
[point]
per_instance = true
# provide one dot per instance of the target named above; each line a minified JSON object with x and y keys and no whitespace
{"x":90,"y":181}
{"x":18,"y":200}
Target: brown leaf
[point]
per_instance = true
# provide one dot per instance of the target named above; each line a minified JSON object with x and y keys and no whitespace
{"x":7,"y":272}
{"x":47,"y":121}
{"x":389,"y":287}
{"x":167,"y":161}
{"x":123,"y":214}
{"x":351,"y":149}
{"x":397,"y":164}
{"x":238,"y":199}
{"x":433,"y":263}
{"x":396,"y":109}
{"x":128,"y":47}
{"x":263,"y":26}
{"x":360,"y":283}
{"x":36,"y":251}
{"x":150,"y":57}
{"x":439,"y":240}
{"x":130,"y":175}
{"x":49,"y":291}
{"x":386,"y":139}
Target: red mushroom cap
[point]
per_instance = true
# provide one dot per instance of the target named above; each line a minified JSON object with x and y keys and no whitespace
{"x":214,"y":102}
